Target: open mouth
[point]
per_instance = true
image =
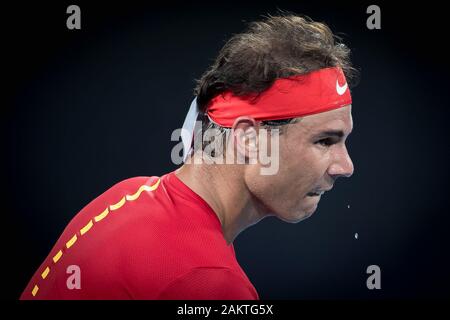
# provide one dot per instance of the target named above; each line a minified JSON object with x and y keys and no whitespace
{"x":315,"y":194}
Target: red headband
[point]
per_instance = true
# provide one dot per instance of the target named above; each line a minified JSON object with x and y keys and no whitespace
{"x":291,"y":97}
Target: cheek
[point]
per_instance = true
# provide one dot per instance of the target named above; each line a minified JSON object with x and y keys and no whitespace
{"x":300,"y":170}
{"x":303,"y":167}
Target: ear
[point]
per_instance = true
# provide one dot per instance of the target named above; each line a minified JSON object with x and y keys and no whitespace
{"x":245,"y":138}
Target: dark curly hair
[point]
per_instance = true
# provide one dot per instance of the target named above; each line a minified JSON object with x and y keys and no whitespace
{"x":276,"y":47}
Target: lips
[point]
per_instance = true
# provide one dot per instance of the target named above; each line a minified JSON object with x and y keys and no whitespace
{"x":319,"y":192}
{"x":315,"y":194}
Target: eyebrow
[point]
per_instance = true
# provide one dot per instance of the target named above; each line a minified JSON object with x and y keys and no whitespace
{"x":333,"y":133}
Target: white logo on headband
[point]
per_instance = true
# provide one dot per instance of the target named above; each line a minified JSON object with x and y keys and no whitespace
{"x":341,"y":90}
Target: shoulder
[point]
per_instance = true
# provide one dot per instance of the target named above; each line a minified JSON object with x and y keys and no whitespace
{"x":114,"y":196}
{"x":99,"y":220}
{"x":130,"y":185}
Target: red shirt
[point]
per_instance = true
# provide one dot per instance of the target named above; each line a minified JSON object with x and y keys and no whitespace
{"x":144,"y":238}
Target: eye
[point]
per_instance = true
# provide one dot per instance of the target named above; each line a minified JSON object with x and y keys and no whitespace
{"x":326,"y":142}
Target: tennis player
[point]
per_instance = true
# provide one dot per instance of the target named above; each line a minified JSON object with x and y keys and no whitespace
{"x":171,"y":237}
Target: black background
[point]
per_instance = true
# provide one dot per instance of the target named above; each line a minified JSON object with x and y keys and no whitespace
{"x":84,"y":109}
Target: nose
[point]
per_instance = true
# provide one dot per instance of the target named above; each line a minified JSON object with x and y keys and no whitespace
{"x":342,"y":165}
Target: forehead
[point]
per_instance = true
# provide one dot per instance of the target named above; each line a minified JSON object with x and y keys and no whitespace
{"x":337,"y":119}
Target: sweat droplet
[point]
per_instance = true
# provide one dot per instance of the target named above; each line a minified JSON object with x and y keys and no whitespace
{"x":356,"y":235}
{"x":348,"y":206}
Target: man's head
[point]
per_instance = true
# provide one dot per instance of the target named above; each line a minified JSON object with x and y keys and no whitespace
{"x":312,"y":152}
{"x":312,"y":155}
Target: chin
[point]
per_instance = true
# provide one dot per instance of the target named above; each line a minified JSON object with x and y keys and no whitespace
{"x":310,"y":212}
{"x":298,"y":215}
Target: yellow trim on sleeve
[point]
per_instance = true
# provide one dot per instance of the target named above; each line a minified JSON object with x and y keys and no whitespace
{"x":71,"y":241}
{"x":45,"y":273}
{"x":57,"y":256}
{"x":134,"y":196}
{"x":153,"y":187}
{"x":117,"y":205}
{"x":35,"y":290}
{"x":86,"y":227}
{"x":143,"y":188}
{"x":101,"y":215}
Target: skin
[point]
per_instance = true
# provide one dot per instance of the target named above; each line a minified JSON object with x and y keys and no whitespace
{"x":312,"y":156}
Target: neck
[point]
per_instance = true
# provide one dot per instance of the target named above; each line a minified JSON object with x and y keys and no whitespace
{"x":223,"y":188}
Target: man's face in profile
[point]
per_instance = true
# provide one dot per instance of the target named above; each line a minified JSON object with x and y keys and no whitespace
{"x":312,"y":156}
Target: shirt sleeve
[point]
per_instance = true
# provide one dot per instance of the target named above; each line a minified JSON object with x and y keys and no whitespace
{"x":209,"y":284}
